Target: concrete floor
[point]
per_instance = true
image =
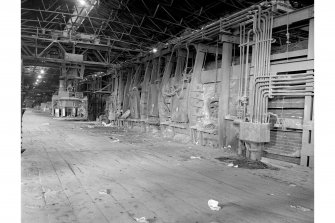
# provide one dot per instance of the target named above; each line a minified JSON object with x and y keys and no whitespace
{"x":72,"y":173}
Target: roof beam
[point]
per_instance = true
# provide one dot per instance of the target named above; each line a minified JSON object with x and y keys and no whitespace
{"x":135,"y":43}
{"x":79,"y":15}
{"x":64,"y":61}
{"x":83,"y":44}
{"x":100,"y":19}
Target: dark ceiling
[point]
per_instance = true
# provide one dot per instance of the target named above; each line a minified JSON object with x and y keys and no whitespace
{"x":132,"y":26}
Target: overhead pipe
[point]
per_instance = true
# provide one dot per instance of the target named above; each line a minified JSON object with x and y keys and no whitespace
{"x":214,"y":30}
{"x":213,"y":26}
{"x":217,"y":26}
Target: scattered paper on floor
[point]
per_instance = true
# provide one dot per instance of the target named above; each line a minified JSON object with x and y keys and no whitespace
{"x":214,"y":205}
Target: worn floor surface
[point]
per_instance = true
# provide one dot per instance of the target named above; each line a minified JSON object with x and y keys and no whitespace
{"x":73,"y":173}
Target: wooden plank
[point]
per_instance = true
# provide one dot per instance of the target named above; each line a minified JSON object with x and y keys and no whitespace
{"x":297,"y":53}
{"x":292,"y":66}
{"x":283,"y":103}
{"x":288,"y":113}
{"x":282,"y":158}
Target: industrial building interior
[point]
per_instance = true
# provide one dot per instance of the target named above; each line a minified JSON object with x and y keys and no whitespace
{"x":167,"y":111}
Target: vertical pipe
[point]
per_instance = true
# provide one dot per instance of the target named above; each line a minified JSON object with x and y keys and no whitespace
{"x":254,"y":61}
{"x":240,"y":76}
{"x":246,"y":74}
{"x":262,"y":66}
{"x":242,"y":58}
{"x":247,"y":64}
{"x":269,"y":18}
{"x":267,"y":59}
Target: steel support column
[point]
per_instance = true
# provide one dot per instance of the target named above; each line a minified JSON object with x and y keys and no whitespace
{"x":227,"y":49}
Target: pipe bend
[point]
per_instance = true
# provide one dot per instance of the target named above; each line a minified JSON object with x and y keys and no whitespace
{"x":259,"y":16}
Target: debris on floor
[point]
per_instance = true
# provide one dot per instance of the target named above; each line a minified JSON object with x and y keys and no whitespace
{"x":142,"y":220}
{"x":241,"y":162}
{"x":300,"y":208}
{"x":107,"y":191}
{"x":104,"y":124}
{"x":102,"y":192}
{"x":46,"y":123}
{"x":214,"y":205}
{"x":195,"y":157}
{"x":114,"y":139}
{"x":227,"y":147}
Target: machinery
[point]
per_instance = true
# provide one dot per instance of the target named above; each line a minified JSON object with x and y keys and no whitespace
{"x":243,"y":81}
{"x":68,"y":103}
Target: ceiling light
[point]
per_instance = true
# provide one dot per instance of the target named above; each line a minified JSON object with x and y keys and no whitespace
{"x":42,"y":71}
{"x":82,"y":2}
{"x":39,"y":76}
{"x":154,"y":50}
